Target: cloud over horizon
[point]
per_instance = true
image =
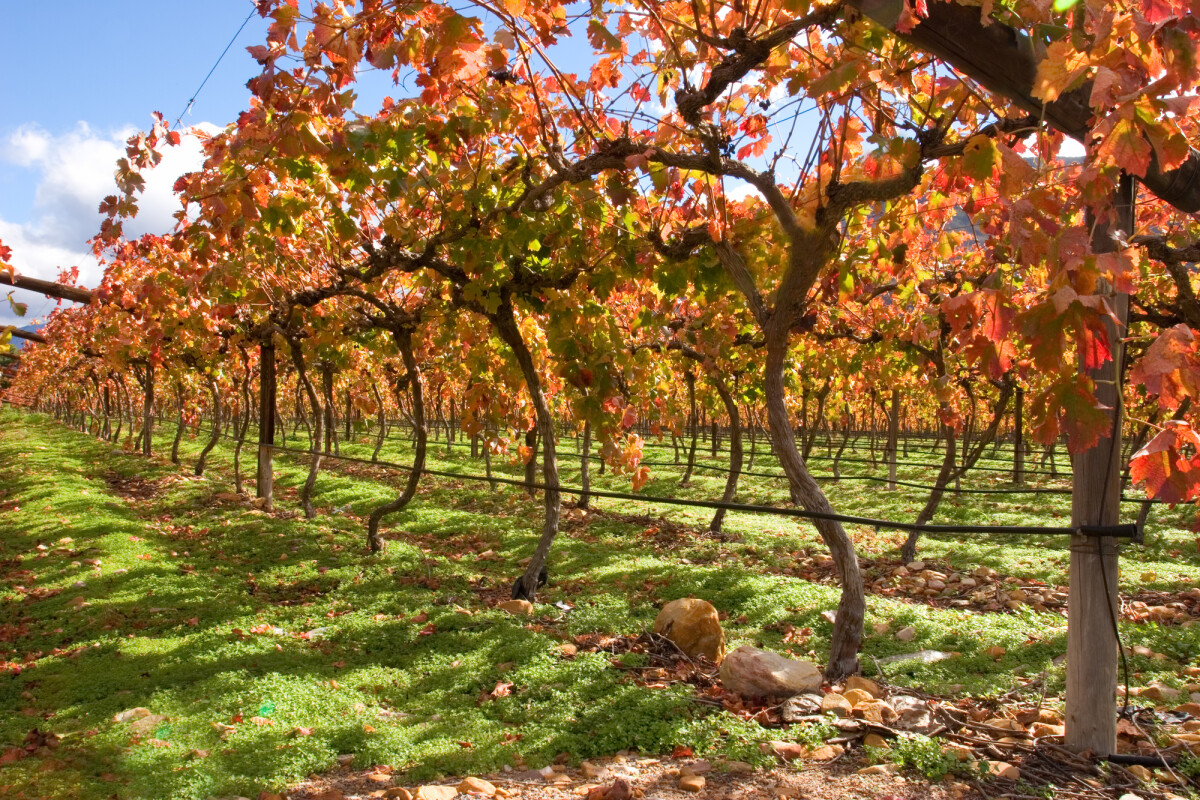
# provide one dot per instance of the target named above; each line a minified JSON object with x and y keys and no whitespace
{"x":73,"y":173}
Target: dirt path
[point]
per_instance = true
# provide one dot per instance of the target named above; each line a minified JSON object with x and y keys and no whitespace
{"x":631,"y":777}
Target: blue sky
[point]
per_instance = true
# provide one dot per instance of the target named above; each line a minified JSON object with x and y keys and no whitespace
{"x":82,"y":76}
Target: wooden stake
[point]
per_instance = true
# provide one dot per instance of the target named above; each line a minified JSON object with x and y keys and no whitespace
{"x":148,"y":409}
{"x":266,"y":422}
{"x":1091,"y":722}
{"x":893,"y":437}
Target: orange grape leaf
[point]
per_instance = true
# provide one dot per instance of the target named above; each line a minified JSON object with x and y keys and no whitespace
{"x":1163,"y":467}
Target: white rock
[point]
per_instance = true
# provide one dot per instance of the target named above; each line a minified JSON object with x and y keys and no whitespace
{"x":755,"y":673}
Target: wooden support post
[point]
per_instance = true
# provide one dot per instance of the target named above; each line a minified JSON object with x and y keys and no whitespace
{"x":1019,"y":436}
{"x":266,"y":422}
{"x":148,"y":409}
{"x":1091,"y":722}
{"x":893,"y":438}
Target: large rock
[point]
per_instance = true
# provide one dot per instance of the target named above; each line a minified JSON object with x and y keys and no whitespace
{"x":694,"y":628}
{"x":756,"y":674}
{"x":796,"y":709}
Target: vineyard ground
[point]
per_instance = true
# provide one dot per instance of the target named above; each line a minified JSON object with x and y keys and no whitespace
{"x":265,"y":646}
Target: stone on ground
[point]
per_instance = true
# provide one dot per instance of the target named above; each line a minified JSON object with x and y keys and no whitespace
{"x":432,"y":792}
{"x":756,"y":674}
{"x":518,"y":608}
{"x":476,"y":786}
{"x":864,"y":685}
{"x":694,"y":627}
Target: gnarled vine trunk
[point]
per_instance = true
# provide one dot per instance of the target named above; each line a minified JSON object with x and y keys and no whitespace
{"x":216,"y":426}
{"x":848,"y":624}
{"x":413,"y":378}
{"x":506,"y":326}
{"x":314,"y":465}
{"x":735,"y":452}
{"x":695,"y":428}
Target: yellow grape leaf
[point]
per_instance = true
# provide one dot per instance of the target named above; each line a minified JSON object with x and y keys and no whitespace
{"x":1062,"y":66}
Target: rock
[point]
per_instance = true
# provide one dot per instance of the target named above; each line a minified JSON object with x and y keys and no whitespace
{"x":692,"y":783}
{"x":397,"y":793}
{"x":1003,"y":724}
{"x":1050,"y":716}
{"x":1141,"y":773}
{"x":1189,"y":708}
{"x":331,"y":794}
{"x":836,"y":704}
{"x":693,"y":626}
{"x":876,"y":711}
{"x":788,"y":751}
{"x":1041,"y":729}
{"x":959,"y":751}
{"x":518,"y":608}
{"x":476,"y":786}
{"x":880,"y":769}
{"x":826,"y":752}
{"x":432,"y":792}
{"x":756,"y":674}
{"x":875,"y":740}
{"x":924,"y":656}
{"x":906,"y":634}
{"x":590,"y":770}
{"x":320,"y":633}
{"x":915,"y":566}
{"x":528,"y":775}
{"x":619,"y":789}
{"x":145,"y":725}
{"x":857,"y":697}
{"x":739,"y":767}
{"x":1158,"y":693}
{"x":131,"y":714}
{"x":914,"y":714}
{"x":881,"y":627}
{"x":864,"y":684}
{"x":800,"y":706}
{"x":696,"y":768}
{"x":936,"y":584}
{"x":1002,"y":770}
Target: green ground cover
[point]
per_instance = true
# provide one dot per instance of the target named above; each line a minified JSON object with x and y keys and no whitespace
{"x":129,"y":584}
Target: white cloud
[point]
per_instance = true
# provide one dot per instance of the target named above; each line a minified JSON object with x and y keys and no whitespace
{"x":73,"y":173}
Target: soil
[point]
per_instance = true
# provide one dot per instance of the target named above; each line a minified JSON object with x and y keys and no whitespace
{"x":659,"y":778}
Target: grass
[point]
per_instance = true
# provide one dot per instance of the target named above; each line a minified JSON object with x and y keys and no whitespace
{"x":128,"y":584}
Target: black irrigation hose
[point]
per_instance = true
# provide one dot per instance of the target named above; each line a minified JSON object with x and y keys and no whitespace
{"x":874,"y":478}
{"x":1062,"y":473}
{"x":779,"y":476}
{"x":1119,"y":531}
{"x":1122,"y":531}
